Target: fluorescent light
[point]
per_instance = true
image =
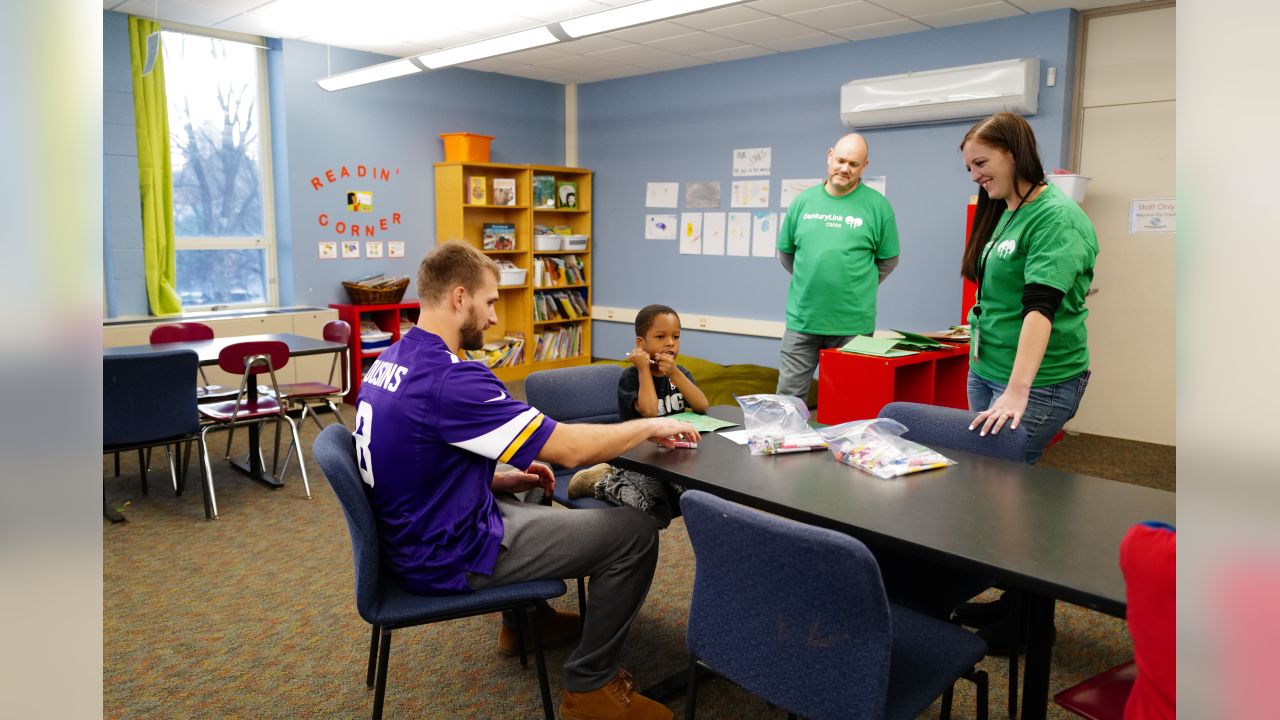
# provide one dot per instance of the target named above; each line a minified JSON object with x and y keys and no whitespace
{"x":373,"y":73}
{"x":637,"y":14}
{"x":492,"y":47}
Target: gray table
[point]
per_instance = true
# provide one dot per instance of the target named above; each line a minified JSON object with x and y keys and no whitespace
{"x":207,"y":351}
{"x":1046,"y":533}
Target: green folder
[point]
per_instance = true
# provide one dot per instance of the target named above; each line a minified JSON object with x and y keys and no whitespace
{"x":917,"y":340}
{"x":878,"y":347}
{"x":702,"y":423}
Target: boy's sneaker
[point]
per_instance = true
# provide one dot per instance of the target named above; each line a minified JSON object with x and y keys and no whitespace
{"x":583,"y":482}
{"x":615,"y":701}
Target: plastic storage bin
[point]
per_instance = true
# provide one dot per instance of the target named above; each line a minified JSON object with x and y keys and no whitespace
{"x":573,"y":242}
{"x":546,"y":243}
{"x":511,"y":276}
{"x":1073,"y":185}
{"x":466,"y":147}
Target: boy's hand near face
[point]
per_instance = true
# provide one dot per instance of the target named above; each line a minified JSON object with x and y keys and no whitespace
{"x":640,"y":359}
{"x":666,"y":364}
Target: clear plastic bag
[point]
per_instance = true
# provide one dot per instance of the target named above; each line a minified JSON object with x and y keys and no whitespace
{"x":877,"y":447}
{"x":778,"y":424}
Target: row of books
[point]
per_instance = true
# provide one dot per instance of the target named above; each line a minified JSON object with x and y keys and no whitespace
{"x":500,"y":353}
{"x":558,"y":343}
{"x":562,"y":270}
{"x":560,"y":305}
{"x":550,"y":193}
{"x":504,"y":191}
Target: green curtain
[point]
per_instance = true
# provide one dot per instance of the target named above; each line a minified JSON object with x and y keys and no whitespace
{"x":151,"y":116}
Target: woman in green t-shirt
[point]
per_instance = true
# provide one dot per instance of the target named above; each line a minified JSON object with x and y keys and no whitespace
{"x":1031,"y":252}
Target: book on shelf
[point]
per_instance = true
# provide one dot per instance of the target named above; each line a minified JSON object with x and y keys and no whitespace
{"x":498,"y":236}
{"x":560,"y":305}
{"x":553,"y":271}
{"x":477,"y":193}
{"x":544,"y":191}
{"x":504,"y":191}
{"x":506,"y":352}
{"x":567,"y":194}
{"x":558,"y":343}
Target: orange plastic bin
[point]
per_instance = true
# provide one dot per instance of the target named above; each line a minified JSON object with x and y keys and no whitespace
{"x":466,"y":147}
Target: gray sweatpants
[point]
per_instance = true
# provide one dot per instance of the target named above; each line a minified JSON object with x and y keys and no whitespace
{"x":617,"y":548}
{"x":800,"y":358}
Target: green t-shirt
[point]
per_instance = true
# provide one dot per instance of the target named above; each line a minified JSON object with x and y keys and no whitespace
{"x":836,"y":242}
{"x":1050,"y":242}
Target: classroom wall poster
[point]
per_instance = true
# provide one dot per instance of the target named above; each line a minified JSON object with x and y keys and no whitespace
{"x":1153,"y":215}
{"x":662,"y":195}
{"x":395,"y":249}
{"x":738,"y":236}
{"x":764,"y":237}
{"x":350,"y":248}
{"x":749,"y":194}
{"x":752,"y":161}
{"x":660,"y":227}
{"x":713,"y":233}
{"x":328,"y":250}
{"x":691,"y":233}
{"x":373,"y":249}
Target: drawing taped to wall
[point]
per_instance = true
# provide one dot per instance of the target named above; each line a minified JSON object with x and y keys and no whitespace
{"x":328,"y":250}
{"x":702,"y":194}
{"x":660,"y":227}
{"x":691,"y":233}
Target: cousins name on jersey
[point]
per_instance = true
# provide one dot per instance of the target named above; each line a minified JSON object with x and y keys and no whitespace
{"x":386,"y":375}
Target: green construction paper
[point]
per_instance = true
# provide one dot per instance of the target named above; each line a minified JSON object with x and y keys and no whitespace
{"x":909,"y":338}
{"x":878,"y":347}
{"x":702,"y":423}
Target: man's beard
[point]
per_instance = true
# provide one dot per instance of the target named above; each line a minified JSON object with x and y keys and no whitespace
{"x":473,"y":334}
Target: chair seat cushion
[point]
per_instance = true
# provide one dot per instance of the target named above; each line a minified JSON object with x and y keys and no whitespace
{"x":308,"y":389}
{"x":224,"y":411}
{"x":397,"y":606}
{"x":926,"y":656}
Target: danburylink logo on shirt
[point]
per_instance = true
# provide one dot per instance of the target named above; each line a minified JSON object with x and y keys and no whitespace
{"x":834,"y":221}
{"x":386,"y":375}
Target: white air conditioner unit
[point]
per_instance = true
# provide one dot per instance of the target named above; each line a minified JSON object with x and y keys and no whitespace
{"x":930,"y":96}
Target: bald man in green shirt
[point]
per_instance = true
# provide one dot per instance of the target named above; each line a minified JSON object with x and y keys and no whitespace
{"x":839,"y":241}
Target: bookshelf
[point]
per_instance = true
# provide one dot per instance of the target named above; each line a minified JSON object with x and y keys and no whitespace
{"x":537,"y":309}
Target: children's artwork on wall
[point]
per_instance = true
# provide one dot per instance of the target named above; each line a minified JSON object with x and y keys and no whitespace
{"x":395,"y":249}
{"x":749,"y":194}
{"x":373,"y":249}
{"x":876,"y":183}
{"x":328,"y":250}
{"x":702,"y":194}
{"x":738,"y":237}
{"x":691,"y":233}
{"x":350,"y":248}
{"x":791,"y":187}
{"x":359,"y":201}
{"x":764,"y":237}
{"x":713,"y":233}
{"x":752,"y":161}
{"x":660,"y":227}
{"x":662,"y":195}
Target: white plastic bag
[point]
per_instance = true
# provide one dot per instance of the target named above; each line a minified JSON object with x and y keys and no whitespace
{"x":877,"y":447}
{"x":778,"y":424}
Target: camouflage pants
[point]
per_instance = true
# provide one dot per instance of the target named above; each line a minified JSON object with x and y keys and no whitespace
{"x":659,"y":499}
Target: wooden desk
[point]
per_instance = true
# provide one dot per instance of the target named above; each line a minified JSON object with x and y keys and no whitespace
{"x":207,"y":351}
{"x":1050,"y":534}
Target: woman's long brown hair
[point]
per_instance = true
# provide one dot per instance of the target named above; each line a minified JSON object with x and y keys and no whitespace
{"x":1012,"y":134}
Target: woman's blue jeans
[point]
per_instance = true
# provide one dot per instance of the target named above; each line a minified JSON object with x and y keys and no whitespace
{"x":1048,"y":407}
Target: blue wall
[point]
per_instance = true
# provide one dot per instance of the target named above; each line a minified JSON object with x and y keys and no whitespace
{"x":683,"y":125}
{"x":393,"y":125}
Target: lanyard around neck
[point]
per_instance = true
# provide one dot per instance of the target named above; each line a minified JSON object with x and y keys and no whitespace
{"x":991,"y":244}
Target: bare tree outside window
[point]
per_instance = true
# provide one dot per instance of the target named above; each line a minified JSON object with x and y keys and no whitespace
{"x":214,"y":97}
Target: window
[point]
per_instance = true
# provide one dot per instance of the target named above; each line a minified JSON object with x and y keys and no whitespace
{"x":218,"y":146}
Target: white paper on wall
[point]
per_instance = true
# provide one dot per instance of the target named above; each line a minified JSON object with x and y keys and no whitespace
{"x":752,"y":161}
{"x":764,"y":233}
{"x":702,"y":194}
{"x":713,"y":233}
{"x":662,"y":194}
{"x":750,"y":194}
{"x":738,"y":236}
{"x":794,"y":186}
{"x":661,"y":227}
{"x":691,"y":233}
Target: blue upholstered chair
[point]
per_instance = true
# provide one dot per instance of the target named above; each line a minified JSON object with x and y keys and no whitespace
{"x":585,"y":394}
{"x":149,"y":400}
{"x":944,"y":427}
{"x":387,"y":607}
{"x":817,"y":638}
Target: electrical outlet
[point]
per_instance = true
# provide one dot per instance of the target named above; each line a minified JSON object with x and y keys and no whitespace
{"x":702,"y":322}
{"x":609,"y":313}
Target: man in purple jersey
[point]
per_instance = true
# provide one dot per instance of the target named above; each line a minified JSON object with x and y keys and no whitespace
{"x":430,"y":431}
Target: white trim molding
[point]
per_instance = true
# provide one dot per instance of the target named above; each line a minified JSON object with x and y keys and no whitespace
{"x":705,"y":323}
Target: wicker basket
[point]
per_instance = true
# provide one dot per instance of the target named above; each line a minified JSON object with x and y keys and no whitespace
{"x":385,"y":295}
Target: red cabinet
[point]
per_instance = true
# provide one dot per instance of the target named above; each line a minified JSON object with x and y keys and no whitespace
{"x":855,"y":387}
{"x":388,"y":318}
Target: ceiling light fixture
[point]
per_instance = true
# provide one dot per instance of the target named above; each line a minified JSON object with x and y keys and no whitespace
{"x":373,"y":73}
{"x":491,"y":47}
{"x":637,"y":14}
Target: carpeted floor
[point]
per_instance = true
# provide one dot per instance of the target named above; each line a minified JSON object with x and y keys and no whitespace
{"x":253,"y":616}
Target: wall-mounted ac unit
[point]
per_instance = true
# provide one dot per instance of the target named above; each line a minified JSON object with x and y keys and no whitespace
{"x":930,"y":96}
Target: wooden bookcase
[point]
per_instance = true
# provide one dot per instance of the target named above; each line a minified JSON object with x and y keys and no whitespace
{"x":457,"y":219}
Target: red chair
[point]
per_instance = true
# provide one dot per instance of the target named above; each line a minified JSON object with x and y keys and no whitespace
{"x":186,"y":332}
{"x":1101,"y":697}
{"x":304,"y":393}
{"x":250,"y":359}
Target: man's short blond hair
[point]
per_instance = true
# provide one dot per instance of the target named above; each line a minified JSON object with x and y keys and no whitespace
{"x":449,"y":265}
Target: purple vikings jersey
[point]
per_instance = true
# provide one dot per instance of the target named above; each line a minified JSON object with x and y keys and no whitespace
{"x":429,"y":431}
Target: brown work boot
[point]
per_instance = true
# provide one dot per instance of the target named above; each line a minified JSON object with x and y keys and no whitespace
{"x":616,"y":701}
{"x":553,"y":629}
{"x":583,"y":482}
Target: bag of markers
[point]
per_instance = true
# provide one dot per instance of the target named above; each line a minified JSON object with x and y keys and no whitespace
{"x":778,"y":424}
{"x":877,"y":446}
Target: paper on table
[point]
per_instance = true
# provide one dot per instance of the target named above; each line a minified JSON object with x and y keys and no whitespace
{"x":879,"y":347}
{"x":662,"y":194}
{"x":738,"y":436}
{"x":701,"y":423}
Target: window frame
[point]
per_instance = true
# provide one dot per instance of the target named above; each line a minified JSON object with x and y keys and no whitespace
{"x":267,"y":242}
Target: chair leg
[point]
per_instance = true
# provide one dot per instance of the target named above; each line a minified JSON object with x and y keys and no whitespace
{"x":947,"y":695}
{"x":143,"y":461}
{"x":582,"y":599}
{"x":548,"y":710}
{"x":373,"y":656}
{"x":117,"y":460}
{"x":302,"y":466}
{"x":308,"y":410}
{"x":173,"y":467}
{"x":691,"y":689}
{"x":1015,"y":615}
{"x":380,"y":684}
{"x":979,"y":678}
{"x":206,"y":477}
{"x":522,"y":627}
{"x":337,"y":413}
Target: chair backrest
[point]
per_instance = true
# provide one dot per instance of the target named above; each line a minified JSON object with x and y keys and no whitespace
{"x":148,"y":396}
{"x":587,"y":394}
{"x":338,"y":331}
{"x":793,"y":613}
{"x":946,"y":427}
{"x":335,"y":450}
{"x":233,"y":358}
{"x":180,"y":332}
